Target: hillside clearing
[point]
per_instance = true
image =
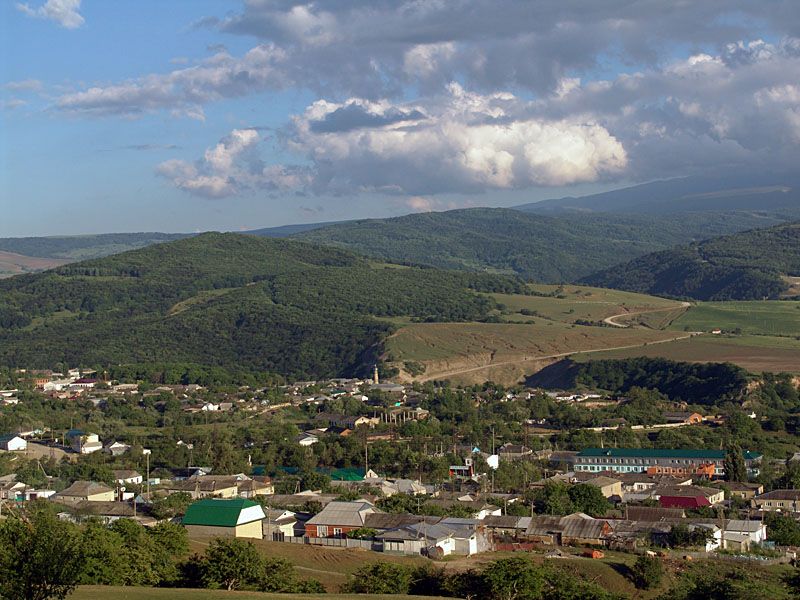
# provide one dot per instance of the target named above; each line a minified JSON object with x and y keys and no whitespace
{"x":768,"y":317}
{"x":755,"y":353}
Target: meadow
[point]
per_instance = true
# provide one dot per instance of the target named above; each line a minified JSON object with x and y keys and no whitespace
{"x":768,"y":317}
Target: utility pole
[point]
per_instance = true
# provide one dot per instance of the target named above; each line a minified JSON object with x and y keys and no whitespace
{"x":147,"y":453}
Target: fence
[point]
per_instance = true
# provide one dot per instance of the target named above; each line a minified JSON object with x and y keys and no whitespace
{"x":336,"y":542}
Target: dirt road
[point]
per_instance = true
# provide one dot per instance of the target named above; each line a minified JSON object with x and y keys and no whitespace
{"x":445,"y":374}
{"x":611,"y":320}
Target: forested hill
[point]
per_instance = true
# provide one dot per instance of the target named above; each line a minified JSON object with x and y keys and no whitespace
{"x":744,"y":266}
{"x":551,"y":249}
{"x":80,"y":247}
{"x":228,"y":300}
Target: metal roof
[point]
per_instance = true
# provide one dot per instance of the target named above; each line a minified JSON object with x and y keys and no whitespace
{"x":659,"y":453}
{"x":349,"y":514}
{"x":220,"y":513}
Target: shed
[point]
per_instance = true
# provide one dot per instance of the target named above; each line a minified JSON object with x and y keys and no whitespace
{"x":225,"y":518}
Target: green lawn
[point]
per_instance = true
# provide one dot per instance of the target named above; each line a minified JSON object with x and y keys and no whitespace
{"x":769,"y":317}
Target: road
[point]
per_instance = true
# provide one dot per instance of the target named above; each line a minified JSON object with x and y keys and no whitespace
{"x":446,"y":374}
{"x":611,"y":320}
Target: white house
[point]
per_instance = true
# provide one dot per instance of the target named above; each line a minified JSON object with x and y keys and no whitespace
{"x":116,"y":448}
{"x":306,"y":439}
{"x":126,"y":476}
{"x":84,"y":443}
{"x":13,"y":443}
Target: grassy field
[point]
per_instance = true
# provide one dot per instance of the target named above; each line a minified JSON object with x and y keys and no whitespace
{"x":331,"y":566}
{"x":504,"y":352}
{"x":755,"y":353}
{"x":100,"y":592}
{"x":581,"y":302}
{"x":770,"y":317}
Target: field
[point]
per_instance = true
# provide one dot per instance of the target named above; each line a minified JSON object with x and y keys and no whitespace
{"x":755,"y":353}
{"x":331,"y":566}
{"x":14,"y":264}
{"x":505,"y":352}
{"x":770,"y":317}
{"x":570,"y":303}
{"x":100,"y":592}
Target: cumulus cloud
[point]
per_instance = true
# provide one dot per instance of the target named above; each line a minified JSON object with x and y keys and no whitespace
{"x":231,"y":167}
{"x":64,"y":12}
{"x":461,"y":142}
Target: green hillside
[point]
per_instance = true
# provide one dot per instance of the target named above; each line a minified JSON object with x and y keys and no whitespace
{"x":541,"y":248}
{"x":82,"y":247}
{"x":744,"y":266}
{"x":228,"y":300}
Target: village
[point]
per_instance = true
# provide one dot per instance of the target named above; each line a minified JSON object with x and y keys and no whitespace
{"x":595,"y":498}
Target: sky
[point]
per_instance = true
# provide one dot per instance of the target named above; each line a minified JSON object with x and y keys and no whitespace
{"x":194,"y":115}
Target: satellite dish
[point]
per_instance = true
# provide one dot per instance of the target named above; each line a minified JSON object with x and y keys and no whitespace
{"x":493,"y":461}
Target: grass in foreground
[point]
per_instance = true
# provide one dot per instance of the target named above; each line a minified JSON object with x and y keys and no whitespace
{"x":100,"y":592}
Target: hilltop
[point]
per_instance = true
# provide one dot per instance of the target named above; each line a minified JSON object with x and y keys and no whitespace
{"x":228,"y":300}
{"x":745,"y":266}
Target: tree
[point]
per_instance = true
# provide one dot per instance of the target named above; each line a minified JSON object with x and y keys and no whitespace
{"x":733,"y":464}
{"x":513,"y":578}
{"x":554,"y":499}
{"x":588,"y":499}
{"x":40,"y":556}
{"x":278,"y":575}
{"x":379,"y":578}
{"x":172,"y":505}
{"x":647,"y":572}
{"x":231,"y":563}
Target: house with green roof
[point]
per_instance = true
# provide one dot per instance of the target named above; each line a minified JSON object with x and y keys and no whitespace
{"x":659,"y":461}
{"x":215,"y":517}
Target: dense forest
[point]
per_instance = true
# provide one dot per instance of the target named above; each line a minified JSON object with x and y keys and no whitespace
{"x":540,"y":248}
{"x":743,"y":266}
{"x":695,"y":383}
{"x":229,"y":300}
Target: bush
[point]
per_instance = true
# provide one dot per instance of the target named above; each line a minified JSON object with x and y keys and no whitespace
{"x":647,"y":572}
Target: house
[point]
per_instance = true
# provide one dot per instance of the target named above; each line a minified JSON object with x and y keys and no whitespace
{"x":12,"y":490}
{"x":479,"y":509}
{"x":513,"y":451}
{"x":214,"y":517}
{"x":256,"y":486}
{"x":337,"y":518}
{"x":403,"y":414}
{"x":577,"y":528}
{"x":654,"y":514}
{"x":13,"y":443}
{"x":207,"y":486}
{"x":116,"y":448}
{"x":428,"y":539}
{"x":83,"y":443}
{"x":106,"y":512}
{"x":608,"y":485}
{"x":89,"y":491}
{"x":743,"y":490}
{"x":688,"y":496}
{"x":346,"y":421}
{"x":778,"y":500}
{"x":306,"y":439}
{"x":684,"y":418}
{"x":278,"y":524}
{"x":738,"y":534}
{"x":127,"y":476}
{"x":660,"y":461}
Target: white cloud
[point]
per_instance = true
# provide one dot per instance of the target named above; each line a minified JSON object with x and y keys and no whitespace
{"x":63,"y":12}
{"x":230,"y":167}
{"x":26,"y":85}
{"x":461,"y":142}
{"x":12,"y":104}
{"x":183,"y":91}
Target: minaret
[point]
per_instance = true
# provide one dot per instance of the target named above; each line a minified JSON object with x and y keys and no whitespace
{"x":375,"y":379}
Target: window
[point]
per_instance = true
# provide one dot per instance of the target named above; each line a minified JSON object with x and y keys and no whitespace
{"x":322,"y":530}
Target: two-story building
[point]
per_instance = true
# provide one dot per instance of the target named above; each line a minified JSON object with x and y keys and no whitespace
{"x":663,"y":461}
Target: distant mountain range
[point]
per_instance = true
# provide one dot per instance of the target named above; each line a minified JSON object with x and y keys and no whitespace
{"x":777,"y":194}
{"x":745,"y":266}
{"x":543,"y":248}
{"x":560,"y":240}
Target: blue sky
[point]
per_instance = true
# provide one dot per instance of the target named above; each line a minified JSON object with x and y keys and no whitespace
{"x":192,"y":115}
